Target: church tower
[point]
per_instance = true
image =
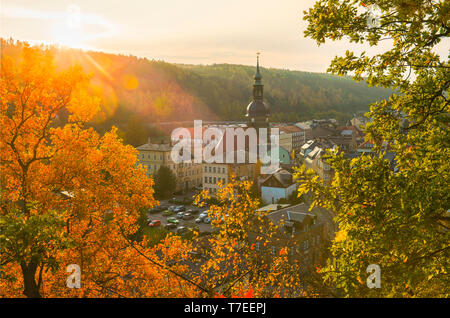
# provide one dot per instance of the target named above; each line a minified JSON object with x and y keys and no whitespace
{"x":257,"y":111}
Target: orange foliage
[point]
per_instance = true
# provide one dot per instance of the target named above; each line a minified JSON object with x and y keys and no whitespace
{"x":71,"y":196}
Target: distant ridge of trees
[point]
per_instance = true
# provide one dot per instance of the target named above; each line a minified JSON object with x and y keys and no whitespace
{"x":292,"y":95}
{"x":137,"y":92}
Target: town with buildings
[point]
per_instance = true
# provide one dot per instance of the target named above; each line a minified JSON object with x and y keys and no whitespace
{"x":148,"y":150}
{"x":300,"y":143}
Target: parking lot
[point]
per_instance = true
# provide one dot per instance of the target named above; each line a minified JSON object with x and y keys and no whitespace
{"x":163,"y":216}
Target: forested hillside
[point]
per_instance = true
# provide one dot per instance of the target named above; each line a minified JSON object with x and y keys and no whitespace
{"x":291,"y":95}
{"x":136,"y":92}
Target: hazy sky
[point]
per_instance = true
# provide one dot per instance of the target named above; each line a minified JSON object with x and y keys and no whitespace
{"x":181,"y":31}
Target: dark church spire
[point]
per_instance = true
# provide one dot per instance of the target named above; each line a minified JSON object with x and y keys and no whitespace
{"x":257,"y":110}
{"x":258,"y":86}
{"x":258,"y":76}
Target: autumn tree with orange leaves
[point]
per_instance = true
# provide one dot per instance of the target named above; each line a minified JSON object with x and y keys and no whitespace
{"x":68,"y":195}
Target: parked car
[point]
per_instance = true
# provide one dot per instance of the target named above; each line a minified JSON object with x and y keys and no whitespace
{"x":172,"y":208}
{"x":199,"y":219}
{"x":180,"y":208}
{"x":207,"y":220}
{"x":187,"y":216}
{"x":203,"y":214}
{"x":173,"y":220}
{"x":170,"y":226}
{"x":180,"y":215}
{"x":167,"y":212}
{"x":154,"y":223}
{"x":181,"y":229}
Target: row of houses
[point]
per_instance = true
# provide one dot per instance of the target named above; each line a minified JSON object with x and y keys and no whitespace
{"x":190,"y":174}
{"x":350,"y":140}
{"x":300,"y":143}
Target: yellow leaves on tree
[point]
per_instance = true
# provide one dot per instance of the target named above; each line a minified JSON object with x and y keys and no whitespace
{"x":341,"y":236}
{"x":235,"y":263}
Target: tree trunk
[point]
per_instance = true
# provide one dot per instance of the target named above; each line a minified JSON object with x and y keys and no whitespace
{"x":31,"y":288}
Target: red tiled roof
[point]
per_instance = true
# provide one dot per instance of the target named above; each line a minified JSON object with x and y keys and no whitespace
{"x":290,"y":129}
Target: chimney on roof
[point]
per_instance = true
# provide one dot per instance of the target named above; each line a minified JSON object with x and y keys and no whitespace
{"x":279,"y":207}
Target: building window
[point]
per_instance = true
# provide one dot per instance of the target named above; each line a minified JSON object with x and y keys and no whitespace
{"x":215,"y":180}
{"x":214,"y":169}
{"x":305,"y":245}
{"x":209,"y":169}
{"x":206,"y":169}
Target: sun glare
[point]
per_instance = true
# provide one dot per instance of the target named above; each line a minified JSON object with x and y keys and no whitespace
{"x":69,"y":37}
{"x":76,"y":29}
